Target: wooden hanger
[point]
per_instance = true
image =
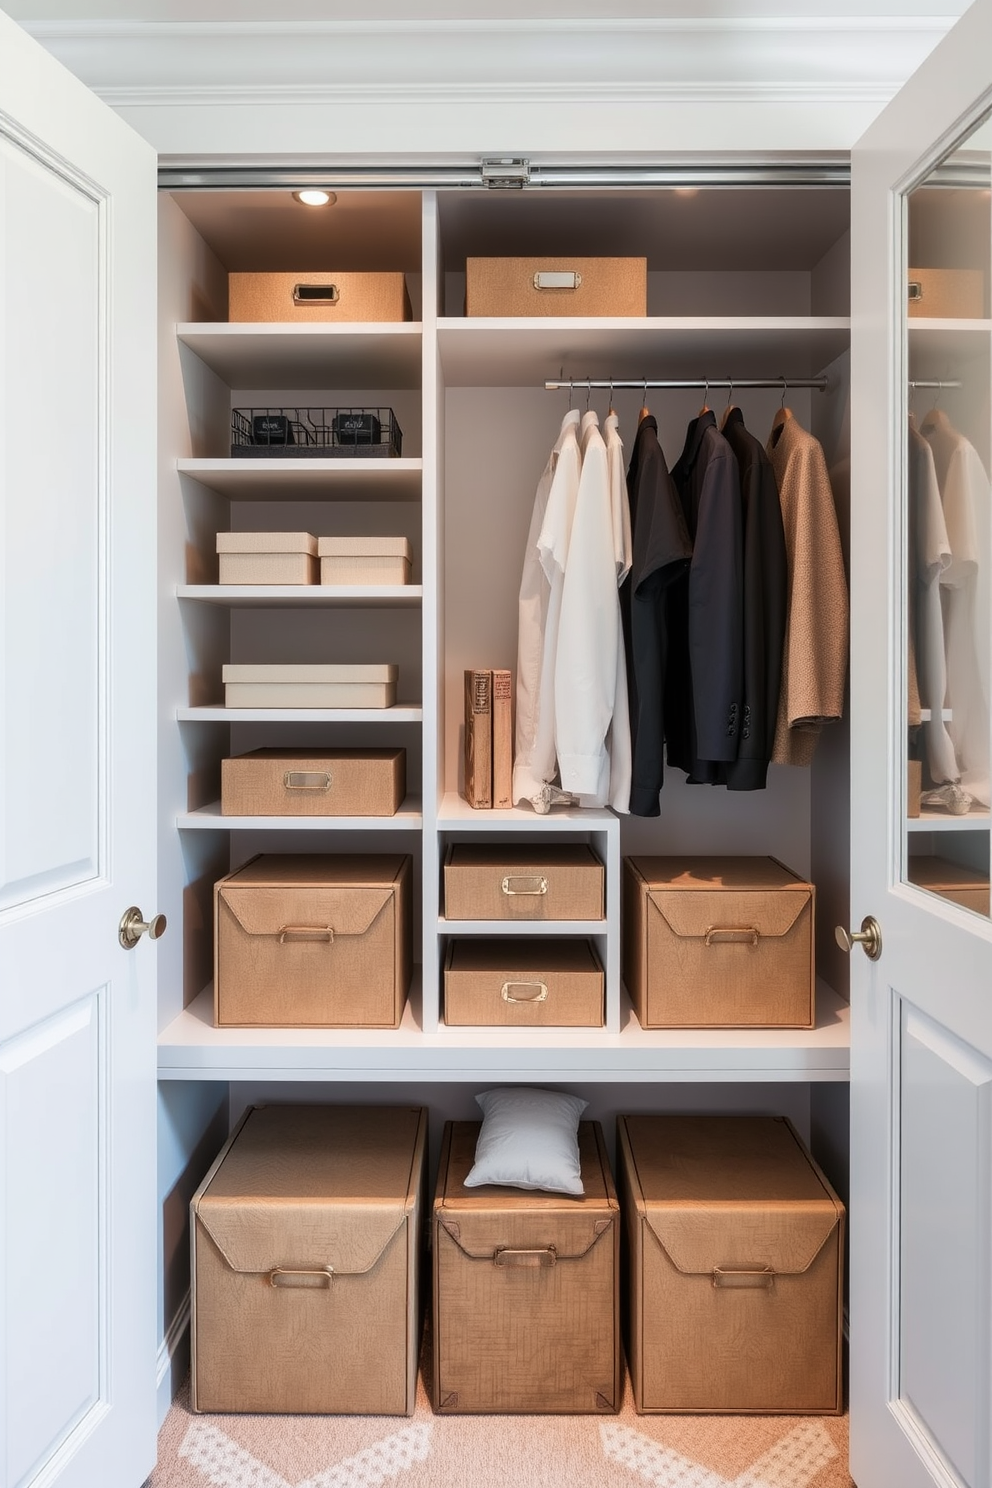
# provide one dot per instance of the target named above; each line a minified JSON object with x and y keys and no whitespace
{"x":706,"y":397}
{"x":731,"y":405}
{"x":782,"y":413}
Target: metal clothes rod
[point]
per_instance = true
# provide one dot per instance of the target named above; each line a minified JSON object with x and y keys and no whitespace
{"x":781,"y":384}
{"x":938,"y":385}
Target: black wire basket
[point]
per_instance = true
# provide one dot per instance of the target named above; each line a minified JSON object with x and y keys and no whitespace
{"x":315,"y":433}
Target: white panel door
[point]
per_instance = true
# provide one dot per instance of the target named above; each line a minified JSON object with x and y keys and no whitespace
{"x":77,"y":782}
{"x":921,"y":1062}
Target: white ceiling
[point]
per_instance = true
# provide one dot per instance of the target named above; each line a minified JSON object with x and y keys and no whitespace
{"x":30,"y":11}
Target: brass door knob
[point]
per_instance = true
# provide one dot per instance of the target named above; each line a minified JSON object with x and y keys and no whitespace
{"x":133,"y":926}
{"x":869,"y":938}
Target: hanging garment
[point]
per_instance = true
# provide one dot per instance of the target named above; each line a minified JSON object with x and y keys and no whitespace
{"x":765,"y":586}
{"x":814,"y":664}
{"x":538,"y":614}
{"x":705,"y":676}
{"x":618,"y":740}
{"x":930,"y":554}
{"x":964,"y":587}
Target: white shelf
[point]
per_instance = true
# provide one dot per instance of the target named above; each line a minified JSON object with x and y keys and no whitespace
{"x":190,"y":1048}
{"x":401,"y":713}
{"x":209,"y":818}
{"x":456,"y":815}
{"x":316,"y":355}
{"x":526,"y":353}
{"x":355,"y":479}
{"x":304,"y":596}
{"x":977,"y":820}
{"x":521,"y":927}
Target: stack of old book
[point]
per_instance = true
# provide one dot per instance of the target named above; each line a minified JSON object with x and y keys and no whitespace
{"x":488,"y":738}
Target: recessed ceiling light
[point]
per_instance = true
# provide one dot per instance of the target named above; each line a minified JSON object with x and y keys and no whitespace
{"x":315,"y":196}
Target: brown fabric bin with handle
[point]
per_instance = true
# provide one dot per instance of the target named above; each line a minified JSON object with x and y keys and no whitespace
{"x":305,"y":1262}
{"x":528,"y":983}
{"x":525,"y":881}
{"x":526,"y":1302}
{"x":718,"y":943}
{"x":735,"y":1267}
{"x":314,"y":782}
{"x":313,"y":941}
{"x":556,"y":286}
{"x":328,"y":295}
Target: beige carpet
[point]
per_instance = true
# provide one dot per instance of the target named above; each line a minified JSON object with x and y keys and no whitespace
{"x":427,"y":1451}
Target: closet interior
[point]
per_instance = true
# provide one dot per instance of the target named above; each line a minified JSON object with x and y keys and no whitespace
{"x":748,"y":295}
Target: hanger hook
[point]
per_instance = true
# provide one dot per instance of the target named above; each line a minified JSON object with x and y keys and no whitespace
{"x":940,"y":389}
{"x":588,"y":391}
{"x":706,"y":390}
{"x":785,"y":389}
{"x":730,"y":394}
{"x":644,"y":396}
{"x":611,"y":390}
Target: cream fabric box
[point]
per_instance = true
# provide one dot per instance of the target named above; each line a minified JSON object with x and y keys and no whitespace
{"x":526,"y":1288}
{"x":527,"y":983}
{"x":301,"y":685}
{"x":267,"y":557}
{"x":556,"y":286}
{"x":315,"y":782}
{"x":364,"y":560}
{"x":305,"y":1248}
{"x":317,"y":296}
{"x":523,"y":881}
{"x":735,"y":1267}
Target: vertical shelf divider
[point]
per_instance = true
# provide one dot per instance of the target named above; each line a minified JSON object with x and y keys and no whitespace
{"x":432,"y":625}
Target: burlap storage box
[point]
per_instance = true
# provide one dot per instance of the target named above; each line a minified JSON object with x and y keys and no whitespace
{"x":313,"y":782}
{"x":532,"y":983}
{"x":965,"y":886}
{"x":735,"y":1267}
{"x":556,"y":286}
{"x":267,"y":557}
{"x":718,"y":943}
{"x":947,"y":294}
{"x":314,"y":940}
{"x":364,"y":560}
{"x":511,"y":881}
{"x":526,"y":1305}
{"x":317,"y":296}
{"x":306,"y":685}
{"x":305,"y":1249}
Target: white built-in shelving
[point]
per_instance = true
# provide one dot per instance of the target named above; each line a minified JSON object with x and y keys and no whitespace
{"x":304,"y":596}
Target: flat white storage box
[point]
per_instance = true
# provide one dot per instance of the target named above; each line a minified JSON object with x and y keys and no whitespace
{"x":267,"y":557}
{"x":300,"y":685}
{"x":364,"y":560}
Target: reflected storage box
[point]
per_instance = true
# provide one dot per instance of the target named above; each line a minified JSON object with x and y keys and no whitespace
{"x":305,"y":685}
{"x":556,"y":286}
{"x":305,"y":1248}
{"x":734,"y":1245}
{"x":313,"y":940}
{"x":718,"y":943}
{"x":364,"y":560}
{"x":267,"y":558}
{"x":522,"y":881}
{"x":947,"y":294}
{"x":314,"y":782}
{"x":965,"y":886}
{"x":317,"y":296}
{"x":531,"y":983}
{"x":526,"y":1293}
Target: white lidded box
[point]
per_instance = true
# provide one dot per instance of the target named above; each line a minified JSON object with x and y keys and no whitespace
{"x":364,"y":560}
{"x":267,"y":557}
{"x":303,"y":685}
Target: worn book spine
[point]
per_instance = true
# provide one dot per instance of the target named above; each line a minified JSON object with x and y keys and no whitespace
{"x":479,"y":738}
{"x":502,"y":738}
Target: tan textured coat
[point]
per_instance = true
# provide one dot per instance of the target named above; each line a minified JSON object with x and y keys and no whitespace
{"x":814,"y":665}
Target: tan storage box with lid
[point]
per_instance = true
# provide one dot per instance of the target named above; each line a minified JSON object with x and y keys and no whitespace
{"x":718,"y":943}
{"x":364,"y":560}
{"x":313,"y":941}
{"x":306,"y":685}
{"x":267,"y":558}
{"x":507,"y":881}
{"x":526,"y":1304}
{"x":556,"y":286}
{"x":315,"y":782}
{"x":965,"y":886}
{"x":326,"y":295}
{"x":532,"y":983}
{"x":735,"y":1267}
{"x":305,"y":1249}
{"x":946,"y":294}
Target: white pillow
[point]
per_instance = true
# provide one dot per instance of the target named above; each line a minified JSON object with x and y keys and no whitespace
{"x":529,"y":1139}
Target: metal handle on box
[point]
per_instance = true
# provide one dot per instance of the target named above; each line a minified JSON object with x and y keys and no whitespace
{"x":281,"y":1276}
{"x":732,"y":934}
{"x":762,"y":1277}
{"x":306,"y":932}
{"x":914,"y":290}
{"x":307,"y":780}
{"x":541,"y":994}
{"x":552,"y":279}
{"x":538,"y":885}
{"x":315,"y":294}
{"x":504,"y":1256}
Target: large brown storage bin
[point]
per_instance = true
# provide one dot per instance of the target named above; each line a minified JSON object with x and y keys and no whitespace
{"x":718,"y":943}
{"x":556,"y":286}
{"x":532,"y":983}
{"x":314,"y":782}
{"x":511,"y":881}
{"x":526,"y":1304}
{"x":735,"y":1267}
{"x":313,"y":940}
{"x":305,"y":1249}
{"x":965,"y":886}
{"x":312,"y":296}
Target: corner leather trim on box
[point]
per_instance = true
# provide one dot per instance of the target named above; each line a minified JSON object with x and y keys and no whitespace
{"x":347,"y":910}
{"x":690,"y":913}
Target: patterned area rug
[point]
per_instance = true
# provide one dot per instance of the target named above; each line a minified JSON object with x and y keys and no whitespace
{"x":427,"y":1451}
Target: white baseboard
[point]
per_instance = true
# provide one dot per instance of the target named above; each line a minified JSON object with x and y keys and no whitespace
{"x":173,"y":1359}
